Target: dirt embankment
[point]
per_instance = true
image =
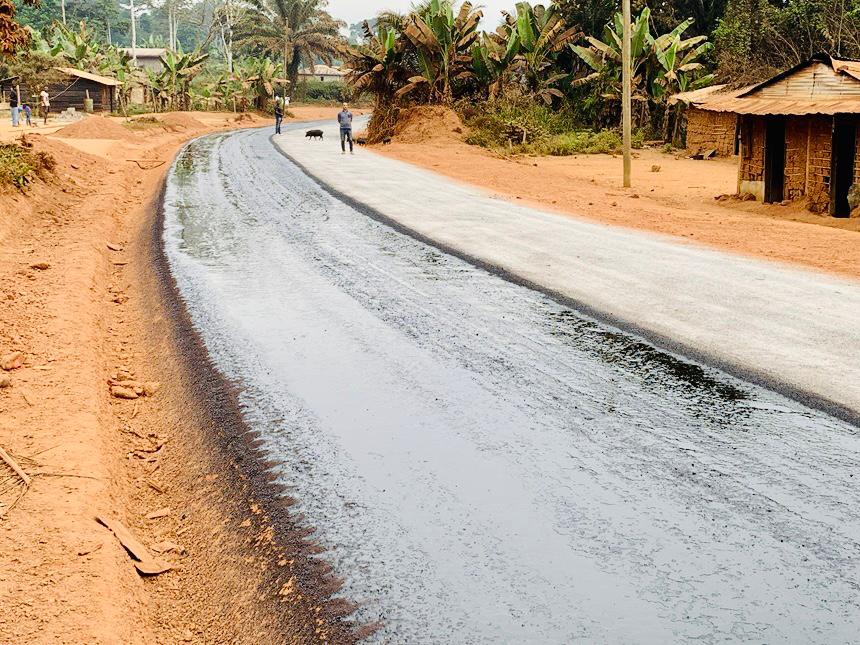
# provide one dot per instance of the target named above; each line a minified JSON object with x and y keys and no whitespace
{"x":670,"y":195}
{"x":85,"y":302}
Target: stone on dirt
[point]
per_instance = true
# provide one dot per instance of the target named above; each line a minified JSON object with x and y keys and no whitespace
{"x":12,"y":361}
{"x":5,"y":382}
{"x":40,"y":266}
{"x":120,"y":392}
{"x":151,"y":388}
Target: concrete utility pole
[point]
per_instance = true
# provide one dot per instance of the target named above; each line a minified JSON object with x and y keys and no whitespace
{"x":133,"y":34}
{"x":626,"y":71}
{"x":63,"y":10}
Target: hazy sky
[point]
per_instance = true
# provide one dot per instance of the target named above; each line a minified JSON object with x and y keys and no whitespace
{"x":353,"y":11}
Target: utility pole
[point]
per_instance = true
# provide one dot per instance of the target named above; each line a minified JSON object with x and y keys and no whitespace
{"x":626,"y":71}
{"x":133,"y":34}
{"x":63,"y":10}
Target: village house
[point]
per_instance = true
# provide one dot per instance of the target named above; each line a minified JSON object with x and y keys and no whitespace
{"x":795,"y":134}
{"x":69,"y":92}
{"x":705,"y":130}
{"x":148,"y":58}
{"x":322,"y":73}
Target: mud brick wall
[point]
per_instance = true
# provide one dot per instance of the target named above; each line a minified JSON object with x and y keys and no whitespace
{"x":796,"y":139}
{"x":752,"y":150}
{"x":820,"y":152}
{"x":708,"y":130}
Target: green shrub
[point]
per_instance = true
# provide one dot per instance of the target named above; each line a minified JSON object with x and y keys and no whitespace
{"x":524,"y":127}
{"x":20,"y":166}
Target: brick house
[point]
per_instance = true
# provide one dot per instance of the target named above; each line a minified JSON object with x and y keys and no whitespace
{"x":797,"y":134}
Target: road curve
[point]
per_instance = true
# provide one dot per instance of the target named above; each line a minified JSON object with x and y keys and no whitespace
{"x":486,"y":465}
{"x":791,"y":329}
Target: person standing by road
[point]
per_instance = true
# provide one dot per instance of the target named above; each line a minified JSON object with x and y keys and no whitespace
{"x":279,"y":116}
{"x":44,"y":104}
{"x":344,"y":119}
{"x":13,"y":106}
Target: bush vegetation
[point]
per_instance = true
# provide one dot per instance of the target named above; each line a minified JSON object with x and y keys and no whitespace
{"x":526,"y":127}
{"x":20,"y":166}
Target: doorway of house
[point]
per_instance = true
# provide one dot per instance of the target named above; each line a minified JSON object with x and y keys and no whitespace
{"x":842,"y":172}
{"x":774,"y":160}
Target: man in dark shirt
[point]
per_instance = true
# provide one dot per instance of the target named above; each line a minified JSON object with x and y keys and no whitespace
{"x":344,"y":119}
{"x":279,"y":116}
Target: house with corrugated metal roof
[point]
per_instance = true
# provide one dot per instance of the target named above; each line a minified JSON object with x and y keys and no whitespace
{"x":73,"y":86}
{"x":796,"y":134}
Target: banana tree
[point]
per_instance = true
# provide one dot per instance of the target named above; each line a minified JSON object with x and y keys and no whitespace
{"x":79,"y":48}
{"x":174,"y":82}
{"x":604,"y":56}
{"x":493,"y":57}
{"x":441,"y":43}
{"x":661,"y":66}
{"x":260,"y":79}
{"x":542,"y":33}
{"x":377,"y":65}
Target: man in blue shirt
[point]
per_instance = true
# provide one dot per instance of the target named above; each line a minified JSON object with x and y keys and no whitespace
{"x":344,"y":119}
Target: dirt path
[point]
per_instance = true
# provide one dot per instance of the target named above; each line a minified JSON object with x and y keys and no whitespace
{"x":80,"y":300}
{"x":678,"y":200}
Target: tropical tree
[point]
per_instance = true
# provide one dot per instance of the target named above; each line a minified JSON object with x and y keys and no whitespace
{"x":493,"y":57}
{"x":541,"y":33}
{"x":172,"y":86}
{"x":661,"y":66}
{"x":12,"y":35}
{"x":376,"y":66}
{"x":442,"y":44}
{"x":259,"y":78}
{"x":299,"y":32}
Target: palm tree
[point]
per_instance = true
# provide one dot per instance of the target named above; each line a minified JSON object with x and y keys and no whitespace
{"x":298,"y":31}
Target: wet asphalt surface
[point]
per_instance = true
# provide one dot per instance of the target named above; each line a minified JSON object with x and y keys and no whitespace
{"x":488,"y":466}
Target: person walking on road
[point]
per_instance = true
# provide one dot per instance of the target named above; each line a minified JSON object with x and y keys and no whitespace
{"x":279,"y":116}
{"x":28,"y":114}
{"x":13,"y":107}
{"x":44,"y":104}
{"x":344,"y":119}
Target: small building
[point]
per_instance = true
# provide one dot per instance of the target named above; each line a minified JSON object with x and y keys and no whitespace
{"x":798,"y":134}
{"x":148,"y":58}
{"x":70,"y":91}
{"x":703,"y":130}
{"x":322,"y":73}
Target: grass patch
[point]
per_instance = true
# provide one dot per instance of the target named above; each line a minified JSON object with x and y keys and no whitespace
{"x":527,"y":128}
{"x":20,"y":166}
{"x":143,"y":123}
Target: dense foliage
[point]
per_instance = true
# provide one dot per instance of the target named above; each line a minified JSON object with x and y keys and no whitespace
{"x":437,"y":54}
{"x":560,"y":58}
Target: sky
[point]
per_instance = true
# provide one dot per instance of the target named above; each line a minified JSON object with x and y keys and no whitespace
{"x":353,"y":11}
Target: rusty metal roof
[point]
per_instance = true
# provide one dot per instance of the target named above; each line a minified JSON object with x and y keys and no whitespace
{"x":694,"y":96}
{"x":749,"y":101}
{"x":791,"y":107}
{"x":101,"y":80}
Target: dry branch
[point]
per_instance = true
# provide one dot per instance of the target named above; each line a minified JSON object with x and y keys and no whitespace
{"x":14,"y":466}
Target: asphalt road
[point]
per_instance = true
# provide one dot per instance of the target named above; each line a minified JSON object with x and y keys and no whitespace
{"x":487,"y":465}
{"x":791,"y":329}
